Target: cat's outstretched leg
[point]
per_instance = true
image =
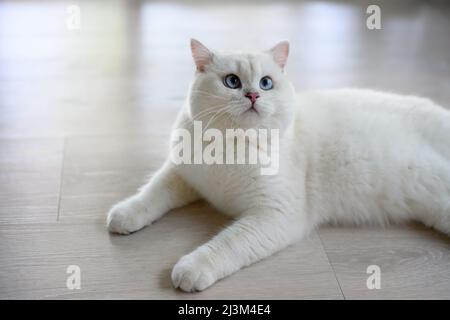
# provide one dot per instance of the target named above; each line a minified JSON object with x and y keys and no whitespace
{"x":253,"y":237}
{"x":165,"y":191}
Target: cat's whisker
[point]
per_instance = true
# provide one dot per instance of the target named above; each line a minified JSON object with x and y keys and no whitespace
{"x":221,"y":112}
{"x":212,"y":110}
{"x":215,"y":117}
{"x":216,"y":108}
{"x":203,"y":113}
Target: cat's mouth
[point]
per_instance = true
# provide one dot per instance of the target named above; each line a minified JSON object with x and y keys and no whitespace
{"x":252,"y":109}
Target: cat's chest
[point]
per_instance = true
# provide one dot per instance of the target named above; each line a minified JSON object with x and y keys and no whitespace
{"x":227,"y":187}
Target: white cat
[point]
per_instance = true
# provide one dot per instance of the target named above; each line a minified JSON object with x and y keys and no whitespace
{"x":346,"y":156}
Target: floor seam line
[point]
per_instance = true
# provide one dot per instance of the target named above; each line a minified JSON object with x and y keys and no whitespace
{"x":61,"y":178}
{"x":331,"y":265}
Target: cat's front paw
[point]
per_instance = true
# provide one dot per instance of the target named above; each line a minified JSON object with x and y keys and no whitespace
{"x":127,"y":216}
{"x":193,"y":273}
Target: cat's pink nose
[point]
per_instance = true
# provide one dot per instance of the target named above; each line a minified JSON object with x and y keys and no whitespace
{"x":252,"y":96}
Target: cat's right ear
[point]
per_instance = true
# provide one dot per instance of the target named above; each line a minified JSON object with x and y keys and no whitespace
{"x":280,"y":53}
{"x":202,"y":56}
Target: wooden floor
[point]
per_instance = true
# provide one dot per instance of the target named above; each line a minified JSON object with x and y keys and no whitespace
{"x":85,"y":116}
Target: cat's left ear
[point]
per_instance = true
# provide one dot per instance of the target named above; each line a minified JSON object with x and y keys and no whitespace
{"x":201,"y":54}
{"x":280,"y":53}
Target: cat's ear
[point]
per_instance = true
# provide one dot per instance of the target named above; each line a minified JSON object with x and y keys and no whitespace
{"x":280,"y":53}
{"x":201,"y":54}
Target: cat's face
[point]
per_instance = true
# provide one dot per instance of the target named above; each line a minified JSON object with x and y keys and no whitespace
{"x":241,"y":90}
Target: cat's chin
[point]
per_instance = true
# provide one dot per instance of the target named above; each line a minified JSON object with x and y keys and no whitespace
{"x":250,"y":119}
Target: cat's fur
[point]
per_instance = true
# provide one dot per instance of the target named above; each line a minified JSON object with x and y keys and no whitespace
{"x":346,"y":156}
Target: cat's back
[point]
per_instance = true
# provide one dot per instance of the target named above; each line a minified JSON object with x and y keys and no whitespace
{"x":364,"y":130}
{"x":353,"y":102}
{"x":366,"y":112}
{"x":361,"y":147}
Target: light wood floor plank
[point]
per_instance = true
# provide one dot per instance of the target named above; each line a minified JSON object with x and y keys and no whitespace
{"x":112,"y":89}
{"x":34,"y":258}
{"x":30,"y":176}
{"x":100,"y":171}
{"x":414,"y":261}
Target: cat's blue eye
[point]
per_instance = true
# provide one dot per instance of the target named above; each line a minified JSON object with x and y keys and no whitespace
{"x":266,"y":83}
{"x":232,"y":81}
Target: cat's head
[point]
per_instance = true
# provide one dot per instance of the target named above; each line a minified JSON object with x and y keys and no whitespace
{"x":242,"y":90}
